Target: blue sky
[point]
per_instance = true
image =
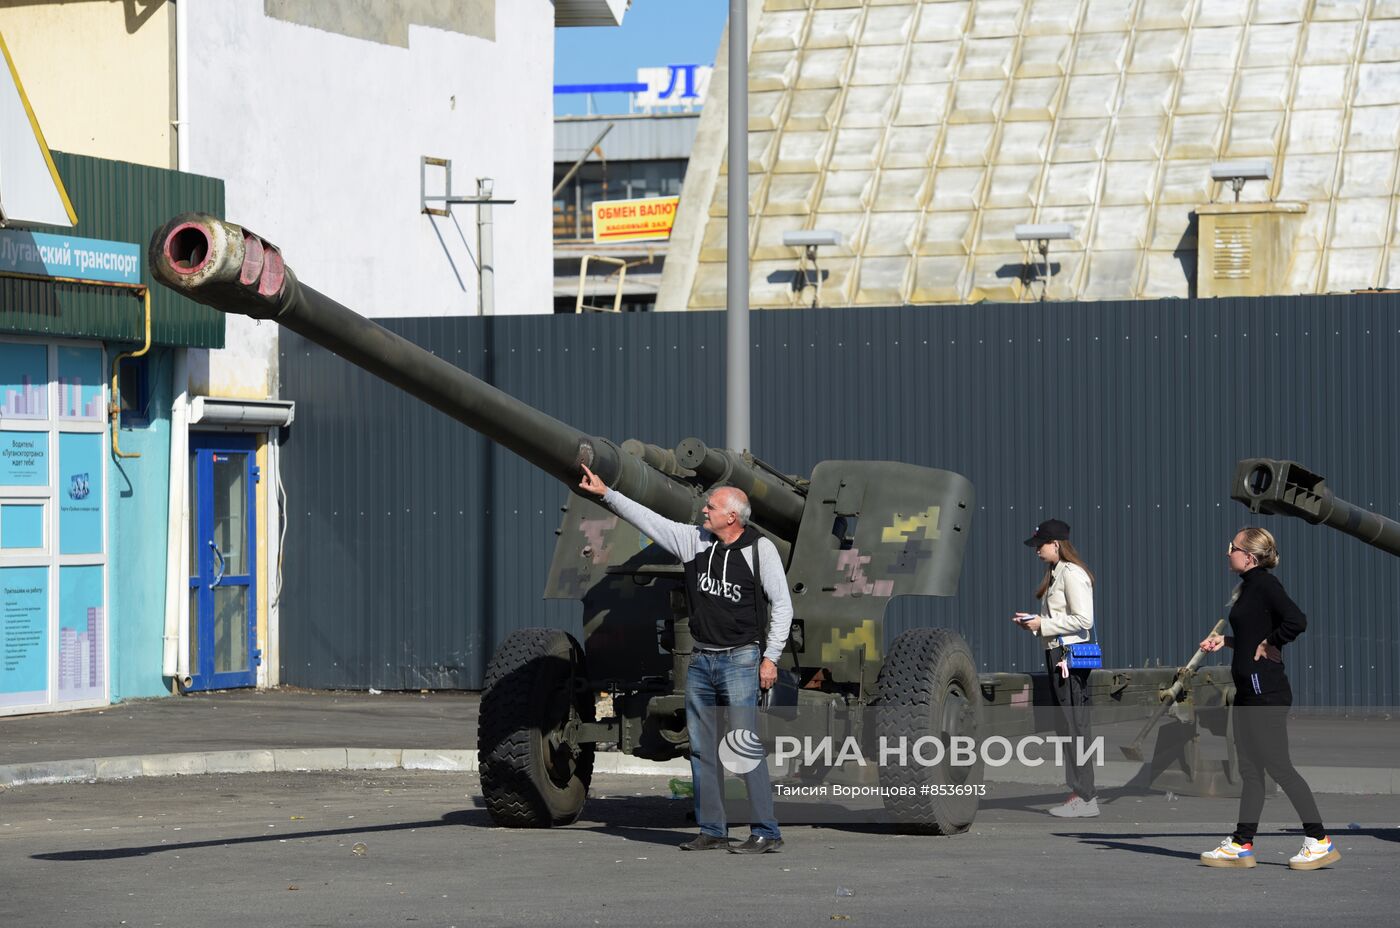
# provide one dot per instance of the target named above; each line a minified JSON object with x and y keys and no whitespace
{"x":653,"y":33}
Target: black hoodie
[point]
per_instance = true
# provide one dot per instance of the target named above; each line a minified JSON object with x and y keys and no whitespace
{"x":723,"y":606}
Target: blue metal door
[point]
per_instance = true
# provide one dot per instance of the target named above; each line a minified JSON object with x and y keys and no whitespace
{"x":223,"y":559}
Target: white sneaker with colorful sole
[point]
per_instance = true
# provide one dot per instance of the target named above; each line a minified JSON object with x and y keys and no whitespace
{"x":1315,"y":854}
{"x":1074,"y":807}
{"x":1230,"y":854}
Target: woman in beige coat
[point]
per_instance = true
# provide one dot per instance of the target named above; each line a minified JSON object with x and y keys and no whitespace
{"x":1067,"y":605}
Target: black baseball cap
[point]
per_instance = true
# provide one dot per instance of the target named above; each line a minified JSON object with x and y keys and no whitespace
{"x":1049,"y":530}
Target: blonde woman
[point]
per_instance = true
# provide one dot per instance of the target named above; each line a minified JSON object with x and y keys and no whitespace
{"x":1263,"y":619}
{"x":1067,"y":602}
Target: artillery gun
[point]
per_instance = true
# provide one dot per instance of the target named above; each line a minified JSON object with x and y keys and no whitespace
{"x":853,"y":535}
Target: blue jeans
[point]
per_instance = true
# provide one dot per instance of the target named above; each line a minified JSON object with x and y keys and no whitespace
{"x":728,"y":679}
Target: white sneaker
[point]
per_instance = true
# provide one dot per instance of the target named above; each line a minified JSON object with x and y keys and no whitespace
{"x":1074,"y":807}
{"x":1315,"y":854}
{"x":1230,"y":854}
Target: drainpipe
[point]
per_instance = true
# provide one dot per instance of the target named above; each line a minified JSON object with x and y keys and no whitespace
{"x":268,"y":670}
{"x":175,"y":654}
{"x":175,"y":650}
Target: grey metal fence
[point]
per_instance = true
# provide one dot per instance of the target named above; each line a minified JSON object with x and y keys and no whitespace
{"x":414,"y":545}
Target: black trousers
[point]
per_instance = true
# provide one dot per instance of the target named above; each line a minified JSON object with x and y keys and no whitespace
{"x":1071,"y":694}
{"x":1261,"y":743}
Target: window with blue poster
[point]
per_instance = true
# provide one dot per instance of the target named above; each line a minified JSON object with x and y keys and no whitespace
{"x":24,"y":459}
{"x":80,"y":383}
{"x":22,"y":527}
{"x":24,"y":635}
{"x":79,"y":493}
{"x":24,"y":380}
{"x":53,"y":462}
{"x":82,"y":671}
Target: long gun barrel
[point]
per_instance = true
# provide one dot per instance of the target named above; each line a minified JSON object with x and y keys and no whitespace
{"x":1289,"y":489}
{"x":232,"y":270}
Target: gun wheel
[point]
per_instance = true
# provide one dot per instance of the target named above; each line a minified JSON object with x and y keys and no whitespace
{"x":532,"y":775}
{"x":928,"y":687}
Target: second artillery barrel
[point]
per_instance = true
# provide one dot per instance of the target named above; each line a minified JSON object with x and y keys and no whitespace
{"x":1287,"y":488}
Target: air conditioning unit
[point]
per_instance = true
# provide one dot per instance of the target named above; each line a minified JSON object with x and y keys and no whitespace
{"x":1242,"y":249}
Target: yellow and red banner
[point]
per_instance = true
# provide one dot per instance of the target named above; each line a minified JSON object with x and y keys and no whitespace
{"x":648,"y":219}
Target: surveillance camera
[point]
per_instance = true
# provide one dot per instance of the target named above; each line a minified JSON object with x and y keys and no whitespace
{"x":811,"y":238}
{"x":1241,"y":170}
{"x":1043,"y":231}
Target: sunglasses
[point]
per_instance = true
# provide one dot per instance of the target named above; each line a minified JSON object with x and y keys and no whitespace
{"x":1233,"y":548}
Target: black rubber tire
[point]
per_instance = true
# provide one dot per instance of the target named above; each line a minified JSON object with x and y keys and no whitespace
{"x":928,"y":686}
{"x":531,"y":777}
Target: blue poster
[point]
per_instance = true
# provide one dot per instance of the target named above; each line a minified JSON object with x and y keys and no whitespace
{"x":81,"y":628}
{"x":21,"y":525}
{"x":24,"y":459}
{"x":80,"y":493}
{"x":24,"y":631}
{"x":24,"y":381}
{"x":80,"y":383}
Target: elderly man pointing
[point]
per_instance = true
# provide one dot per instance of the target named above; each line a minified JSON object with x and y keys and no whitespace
{"x":727,"y":562}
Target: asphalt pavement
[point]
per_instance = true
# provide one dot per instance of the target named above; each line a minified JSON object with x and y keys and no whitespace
{"x":416,"y":848}
{"x":315,"y":808}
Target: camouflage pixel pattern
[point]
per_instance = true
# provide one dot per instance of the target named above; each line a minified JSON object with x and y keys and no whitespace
{"x":872,"y":530}
{"x":624,"y":582}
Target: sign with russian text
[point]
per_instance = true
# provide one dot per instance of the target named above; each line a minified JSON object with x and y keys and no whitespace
{"x":24,"y":459}
{"x":648,"y":219}
{"x":24,"y":635}
{"x":37,"y":254}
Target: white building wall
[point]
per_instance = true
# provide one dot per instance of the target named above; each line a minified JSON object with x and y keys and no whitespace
{"x":318,"y":137}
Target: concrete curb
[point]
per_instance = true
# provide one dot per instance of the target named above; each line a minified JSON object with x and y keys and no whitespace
{"x":615,"y":762}
{"x":463,"y":761}
{"x":1373,"y":781}
{"x":289,"y":760}
{"x":59,"y":771}
{"x":308,"y":759}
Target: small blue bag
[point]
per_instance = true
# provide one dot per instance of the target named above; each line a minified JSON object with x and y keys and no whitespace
{"x":1086,"y":656}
